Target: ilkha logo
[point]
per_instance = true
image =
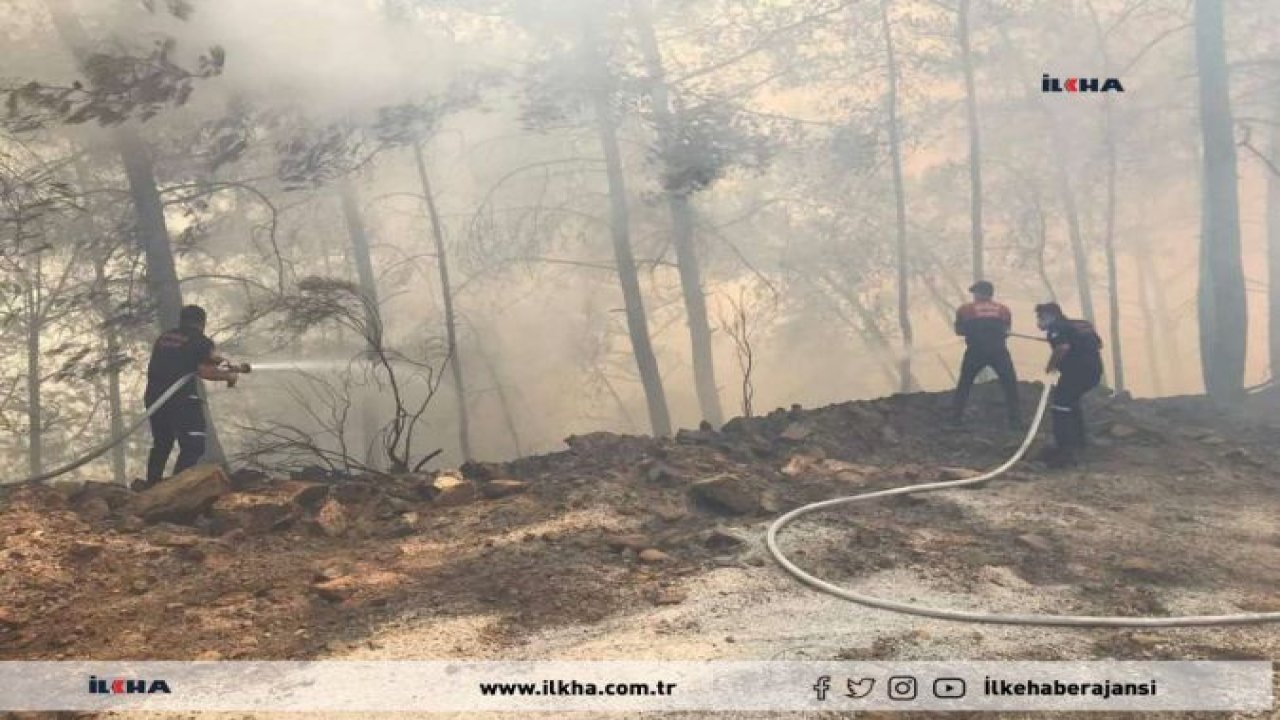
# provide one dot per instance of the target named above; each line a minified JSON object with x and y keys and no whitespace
{"x":124,"y":686}
{"x":1048,"y":84}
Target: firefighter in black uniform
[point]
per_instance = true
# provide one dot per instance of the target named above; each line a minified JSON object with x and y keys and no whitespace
{"x":985,"y":324}
{"x":1077,"y":358}
{"x":176,"y":353}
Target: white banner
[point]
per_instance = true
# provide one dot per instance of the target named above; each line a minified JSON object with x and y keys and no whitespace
{"x":625,"y":686}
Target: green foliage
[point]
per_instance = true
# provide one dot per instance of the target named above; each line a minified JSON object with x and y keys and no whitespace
{"x":320,"y":300}
{"x":117,"y":87}
{"x":708,"y":141}
{"x":314,"y":156}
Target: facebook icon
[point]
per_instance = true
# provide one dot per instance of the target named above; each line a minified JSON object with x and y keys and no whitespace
{"x":822,"y":687}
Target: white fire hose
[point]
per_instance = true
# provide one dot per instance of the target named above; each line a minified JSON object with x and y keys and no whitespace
{"x":771,"y":541}
{"x":111,"y":442}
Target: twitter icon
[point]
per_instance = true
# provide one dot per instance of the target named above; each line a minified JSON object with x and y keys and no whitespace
{"x":860,"y":688}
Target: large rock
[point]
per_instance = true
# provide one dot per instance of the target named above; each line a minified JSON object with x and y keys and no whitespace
{"x":501,"y":488}
{"x":304,"y":494}
{"x":369,"y":587}
{"x":796,"y":431}
{"x":253,"y":512}
{"x":701,"y":436}
{"x":592,"y":443}
{"x":9,"y":619}
{"x":94,"y":509}
{"x":315,"y":473}
{"x":354,"y":492}
{"x":483,"y":471}
{"x":653,"y":556}
{"x":657,"y":471}
{"x":113,"y":494}
{"x":724,"y":539}
{"x":332,"y":519}
{"x":729,"y":492}
{"x":799,"y":465}
{"x":634,"y":542}
{"x":403,"y":526}
{"x":387,"y":507}
{"x":183,"y":496}
{"x":83,"y":550}
{"x":246,"y":478}
{"x":448,"y":490}
{"x":170,"y":539}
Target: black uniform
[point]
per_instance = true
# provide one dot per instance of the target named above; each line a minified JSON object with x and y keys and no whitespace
{"x":985,"y":326}
{"x":1080,"y":371}
{"x":176,"y":353}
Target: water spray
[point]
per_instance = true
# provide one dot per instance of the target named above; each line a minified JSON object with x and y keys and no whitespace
{"x":304,"y":365}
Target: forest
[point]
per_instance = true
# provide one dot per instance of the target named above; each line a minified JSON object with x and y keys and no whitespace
{"x":444,"y":230}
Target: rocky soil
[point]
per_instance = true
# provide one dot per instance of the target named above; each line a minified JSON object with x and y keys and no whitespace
{"x":651,"y":548}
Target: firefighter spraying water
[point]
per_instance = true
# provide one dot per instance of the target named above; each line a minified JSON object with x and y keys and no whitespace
{"x":183,"y":352}
{"x":1077,"y":358}
{"x":985,"y":324}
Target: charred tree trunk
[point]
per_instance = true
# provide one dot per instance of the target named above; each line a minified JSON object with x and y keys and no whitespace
{"x":900,"y":201}
{"x":35,"y":408}
{"x":682,"y":224}
{"x":361,"y":256}
{"x":1075,"y":235}
{"x":115,"y":402}
{"x":1109,"y":246}
{"x":110,"y":336}
{"x":1169,"y":346}
{"x":162,"y":274}
{"x":115,"y":405}
{"x":975,"y":142}
{"x":1222,"y":304}
{"x":363,"y":260}
{"x":153,"y":231}
{"x":1042,"y":245}
{"x":619,"y":225}
{"x":504,"y":400}
{"x":1149,"y":322}
{"x":1109,"y":237}
{"x":446,"y":292}
{"x":1273,"y":248}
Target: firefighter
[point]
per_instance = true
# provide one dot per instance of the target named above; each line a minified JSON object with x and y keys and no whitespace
{"x":985,"y":325}
{"x":1077,"y":358}
{"x":176,"y":353}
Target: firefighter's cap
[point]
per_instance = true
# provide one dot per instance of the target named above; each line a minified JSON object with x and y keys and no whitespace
{"x":982,"y":287}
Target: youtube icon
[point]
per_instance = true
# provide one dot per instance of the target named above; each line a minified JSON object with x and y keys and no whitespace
{"x":948,"y":688}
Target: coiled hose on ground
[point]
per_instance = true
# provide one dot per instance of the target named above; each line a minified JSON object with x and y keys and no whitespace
{"x":771,"y":541}
{"x":111,"y":442}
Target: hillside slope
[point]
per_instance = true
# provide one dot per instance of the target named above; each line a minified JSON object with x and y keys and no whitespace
{"x":638,"y":547}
